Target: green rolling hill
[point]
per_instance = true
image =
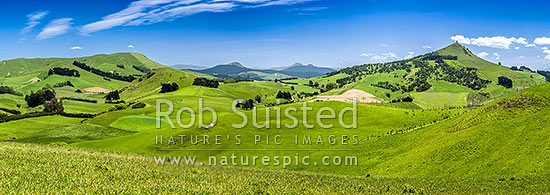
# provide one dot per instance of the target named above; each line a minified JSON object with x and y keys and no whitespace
{"x":452,"y":76}
{"x":472,"y":148}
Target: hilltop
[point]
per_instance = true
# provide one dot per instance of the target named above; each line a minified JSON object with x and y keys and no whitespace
{"x":26,"y":75}
{"x":237,"y":71}
{"x":452,"y":76}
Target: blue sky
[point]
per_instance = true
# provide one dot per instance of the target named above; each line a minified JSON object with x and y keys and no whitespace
{"x":270,"y":33}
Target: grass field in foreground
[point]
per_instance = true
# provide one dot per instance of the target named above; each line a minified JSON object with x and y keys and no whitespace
{"x":40,"y":169}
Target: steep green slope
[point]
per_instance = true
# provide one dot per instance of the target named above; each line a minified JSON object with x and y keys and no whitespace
{"x":508,"y":136}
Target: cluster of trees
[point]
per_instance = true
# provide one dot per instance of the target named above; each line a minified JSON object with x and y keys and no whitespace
{"x":315,"y":85}
{"x":113,"y":95}
{"x":141,"y":69}
{"x":505,"y":81}
{"x":40,"y":97}
{"x":111,"y":75}
{"x":206,"y":82}
{"x":24,"y":116}
{"x":247,"y":105}
{"x":54,"y":105}
{"x":63,"y":84}
{"x":9,"y":90}
{"x":120,"y":66}
{"x":305,"y":94}
{"x":284,"y":95}
{"x":435,"y":56}
{"x":546,"y":74}
{"x":64,"y":72}
{"x":169,"y":87}
{"x":404,"y":99}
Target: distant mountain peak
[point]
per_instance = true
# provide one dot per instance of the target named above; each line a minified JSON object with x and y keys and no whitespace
{"x":238,"y":64}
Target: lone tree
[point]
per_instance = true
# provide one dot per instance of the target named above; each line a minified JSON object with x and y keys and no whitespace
{"x":505,"y":81}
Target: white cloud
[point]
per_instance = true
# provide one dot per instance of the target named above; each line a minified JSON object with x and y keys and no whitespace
{"x":130,"y":46}
{"x":410,"y":54}
{"x":33,"y":20}
{"x":542,"y":41}
{"x":517,"y":48}
{"x":499,"y":42}
{"x":497,"y":56}
{"x":544,"y":48}
{"x":76,"y":48}
{"x":365,"y":54}
{"x":522,"y":41}
{"x":530,"y":45}
{"x":384,"y":45}
{"x":546,"y":51}
{"x":384,"y":57}
{"x":483,"y":54}
{"x":427,"y":47}
{"x":547,"y":57}
{"x":144,"y":12}
{"x":55,"y":28}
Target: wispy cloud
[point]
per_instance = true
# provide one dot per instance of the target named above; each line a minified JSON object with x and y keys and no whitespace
{"x":131,"y":46}
{"x":33,"y":20}
{"x":383,"y":57}
{"x":499,"y":42}
{"x":144,"y":12}
{"x":427,"y":47}
{"x":55,"y":28}
{"x":76,"y":48}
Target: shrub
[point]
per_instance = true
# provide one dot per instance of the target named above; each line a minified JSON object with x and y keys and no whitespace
{"x":116,"y":107}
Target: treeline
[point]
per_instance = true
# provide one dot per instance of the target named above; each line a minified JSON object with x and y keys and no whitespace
{"x":142,"y":69}
{"x":111,"y":75}
{"x":11,"y":111}
{"x":63,"y":84}
{"x":79,"y":99}
{"x":206,"y":82}
{"x":546,"y":74}
{"x":9,"y":90}
{"x":24,"y":116}
{"x":64,"y":72}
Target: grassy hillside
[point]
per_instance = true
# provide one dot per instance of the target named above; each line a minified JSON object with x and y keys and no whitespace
{"x":30,"y":168}
{"x":25,"y":75}
{"x":151,"y":83}
{"x":452,"y":76}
